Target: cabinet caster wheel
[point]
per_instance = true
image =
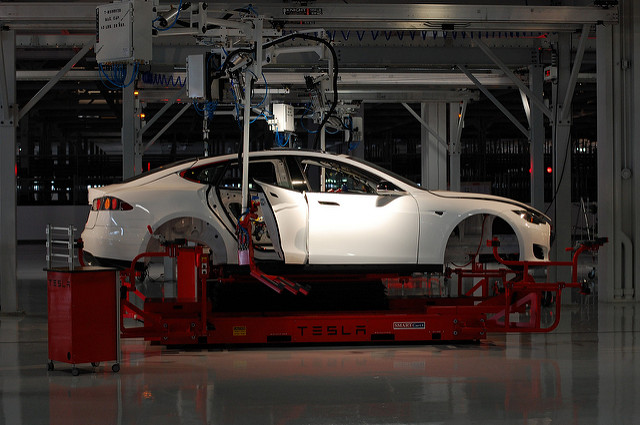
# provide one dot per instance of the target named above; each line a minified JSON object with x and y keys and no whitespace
{"x":50,"y":366}
{"x":75,"y":372}
{"x":115,"y":368}
{"x":95,"y":364}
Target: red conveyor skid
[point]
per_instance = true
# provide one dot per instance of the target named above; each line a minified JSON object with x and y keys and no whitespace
{"x":508,"y":294}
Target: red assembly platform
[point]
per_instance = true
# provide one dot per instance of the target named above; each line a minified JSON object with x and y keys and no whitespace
{"x":502,"y":298}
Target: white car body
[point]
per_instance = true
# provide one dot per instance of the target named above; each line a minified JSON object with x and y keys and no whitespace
{"x":371,"y":217}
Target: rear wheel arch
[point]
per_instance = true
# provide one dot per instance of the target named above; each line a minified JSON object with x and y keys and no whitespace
{"x":193,"y":229}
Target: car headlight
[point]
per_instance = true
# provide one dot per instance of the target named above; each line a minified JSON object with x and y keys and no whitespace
{"x":532,"y":216}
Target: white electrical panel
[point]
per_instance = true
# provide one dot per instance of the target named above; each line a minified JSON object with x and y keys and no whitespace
{"x":123,"y":31}
{"x":356,"y":129}
{"x":284,"y":117}
{"x":196,"y":77}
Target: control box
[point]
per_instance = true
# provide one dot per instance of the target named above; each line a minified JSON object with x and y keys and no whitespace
{"x":196,"y":77}
{"x":124,"y":31}
{"x":283,"y":117}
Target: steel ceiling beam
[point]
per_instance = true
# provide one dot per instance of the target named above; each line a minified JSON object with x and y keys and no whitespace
{"x":179,"y":93}
{"x":573,"y":79}
{"x":495,"y":101}
{"x":517,"y":81}
{"x":38,"y":12}
{"x":429,"y":16}
{"x":44,"y":90}
{"x":526,"y":106}
{"x":464,"y":17}
{"x":167,"y":126}
{"x":458,"y":135}
{"x":433,"y":132}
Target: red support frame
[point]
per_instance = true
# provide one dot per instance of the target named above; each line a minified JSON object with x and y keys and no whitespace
{"x":507,"y":293}
{"x":159,"y":323}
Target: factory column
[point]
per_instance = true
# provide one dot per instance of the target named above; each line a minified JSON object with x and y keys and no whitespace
{"x":537,"y":139}
{"x":561,"y":203}
{"x":618,"y":50}
{"x":8,"y":124}
{"x":433,"y":151}
{"x":131,"y":146}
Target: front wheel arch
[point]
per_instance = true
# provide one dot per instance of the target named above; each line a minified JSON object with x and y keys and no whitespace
{"x":469,"y":236}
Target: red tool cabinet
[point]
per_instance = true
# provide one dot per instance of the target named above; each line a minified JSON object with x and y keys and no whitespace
{"x":83,"y":316}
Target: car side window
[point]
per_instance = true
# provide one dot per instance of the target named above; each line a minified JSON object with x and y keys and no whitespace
{"x":333,"y":176}
{"x":298,"y":181}
{"x":267,"y":171}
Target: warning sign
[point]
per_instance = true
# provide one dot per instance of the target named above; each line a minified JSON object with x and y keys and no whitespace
{"x":239,"y":331}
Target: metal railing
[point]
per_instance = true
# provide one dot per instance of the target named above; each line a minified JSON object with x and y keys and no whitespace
{"x":61,"y":244}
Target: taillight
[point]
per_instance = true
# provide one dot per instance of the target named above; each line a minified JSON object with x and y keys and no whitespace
{"x":109,"y":203}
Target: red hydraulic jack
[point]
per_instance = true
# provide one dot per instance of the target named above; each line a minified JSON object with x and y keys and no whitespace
{"x":179,"y":320}
{"x":504,"y":299}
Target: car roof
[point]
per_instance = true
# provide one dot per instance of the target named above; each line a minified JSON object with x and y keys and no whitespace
{"x":269,"y":153}
{"x":177,"y":167}
{"x":354,"y":161}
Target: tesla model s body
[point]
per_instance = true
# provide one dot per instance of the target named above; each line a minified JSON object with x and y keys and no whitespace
{"x":319,"y":209}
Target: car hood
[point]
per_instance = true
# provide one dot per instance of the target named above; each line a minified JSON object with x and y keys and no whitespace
{"x":485,"y":197}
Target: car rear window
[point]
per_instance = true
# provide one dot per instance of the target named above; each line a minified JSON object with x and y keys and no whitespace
{"x":208,"y":174}
{"x":158,"y":169}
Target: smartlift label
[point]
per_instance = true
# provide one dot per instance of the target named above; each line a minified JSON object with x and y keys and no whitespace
{"x":408,"y":325}
{"x":302,"y":11}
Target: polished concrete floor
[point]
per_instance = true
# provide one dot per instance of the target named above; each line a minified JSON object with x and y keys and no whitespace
{"x":585,"y":372}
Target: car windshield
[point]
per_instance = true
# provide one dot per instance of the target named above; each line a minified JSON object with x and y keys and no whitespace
{"x":387,"y":172}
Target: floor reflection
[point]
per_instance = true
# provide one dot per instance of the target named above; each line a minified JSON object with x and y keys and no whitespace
{"x":587,"y":371}
{"x":328,"y":385}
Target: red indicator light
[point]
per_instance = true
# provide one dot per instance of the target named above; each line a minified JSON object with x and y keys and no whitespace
{"x":549,"y":170}
{"x":114,"y":204}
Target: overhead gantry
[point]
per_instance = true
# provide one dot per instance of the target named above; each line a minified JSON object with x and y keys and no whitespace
{"x":362,"y":36}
